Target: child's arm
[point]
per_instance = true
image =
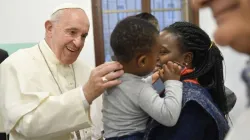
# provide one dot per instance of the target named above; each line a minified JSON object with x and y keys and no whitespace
{"x":164,"y":110}
{"x":153,"y":78}
{"x":148,"y":79}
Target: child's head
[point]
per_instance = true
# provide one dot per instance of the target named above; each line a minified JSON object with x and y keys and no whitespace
{"x":189,"y":45}
{"x":150,"y":18}
{"x":135,"y":43}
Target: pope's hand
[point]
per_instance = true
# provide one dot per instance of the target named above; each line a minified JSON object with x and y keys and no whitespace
{"x":101,"y":78}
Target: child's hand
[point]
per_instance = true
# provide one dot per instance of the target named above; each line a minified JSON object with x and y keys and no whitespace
{"x":171,"y":71}
{"x":156,"y":69}
{"x":156,"y":75}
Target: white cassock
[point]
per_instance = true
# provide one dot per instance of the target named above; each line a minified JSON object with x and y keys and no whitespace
{"x":32,"y":107}
{"x":240,"y":130}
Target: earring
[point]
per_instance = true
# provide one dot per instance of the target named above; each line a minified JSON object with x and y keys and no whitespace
{"x":185,"y":64}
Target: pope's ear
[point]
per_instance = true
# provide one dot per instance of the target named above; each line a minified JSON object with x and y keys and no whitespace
{"x":48,"y":28}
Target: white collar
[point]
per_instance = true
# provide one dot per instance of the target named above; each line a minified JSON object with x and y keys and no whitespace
{"x":48,"y":53}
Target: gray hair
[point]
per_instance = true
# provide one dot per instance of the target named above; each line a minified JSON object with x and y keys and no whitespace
{"x":55,"y":16}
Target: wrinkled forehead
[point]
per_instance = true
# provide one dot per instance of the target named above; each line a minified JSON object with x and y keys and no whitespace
{"x":73,"y":18}
{"x":75,"y":14}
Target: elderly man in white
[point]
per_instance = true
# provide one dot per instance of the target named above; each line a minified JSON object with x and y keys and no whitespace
{"x":46,"y":92}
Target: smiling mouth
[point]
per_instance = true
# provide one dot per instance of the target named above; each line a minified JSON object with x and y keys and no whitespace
{"x":159,"y":65}
{"x":72,"y":49}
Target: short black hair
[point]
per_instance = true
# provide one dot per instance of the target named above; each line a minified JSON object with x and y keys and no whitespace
{"x":207,"y":60}
{"x":148,"y":17}
{"x":130,"y":36}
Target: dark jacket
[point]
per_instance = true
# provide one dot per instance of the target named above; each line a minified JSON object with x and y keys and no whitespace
{"x":230,"y":95}
{"x":200,"y":119}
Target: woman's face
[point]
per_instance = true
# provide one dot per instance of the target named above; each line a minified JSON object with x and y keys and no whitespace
{"x":170,"y":49}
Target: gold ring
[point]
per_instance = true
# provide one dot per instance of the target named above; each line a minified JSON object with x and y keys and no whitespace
{"x":104,"y":79}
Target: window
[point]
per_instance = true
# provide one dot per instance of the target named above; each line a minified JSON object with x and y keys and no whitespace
{"x":112,"y":12}
{"x":167,"y":11}
{"x":106,"y":14}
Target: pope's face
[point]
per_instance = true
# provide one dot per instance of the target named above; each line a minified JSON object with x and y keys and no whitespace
{"x":67,"y":34}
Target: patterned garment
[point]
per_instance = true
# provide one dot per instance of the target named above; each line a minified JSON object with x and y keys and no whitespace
{"x":193,"y":92}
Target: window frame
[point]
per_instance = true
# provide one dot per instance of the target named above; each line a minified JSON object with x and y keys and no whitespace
{"x":193,"y":16}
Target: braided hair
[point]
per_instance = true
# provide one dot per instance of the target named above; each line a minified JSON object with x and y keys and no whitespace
{"x":207,"y":60}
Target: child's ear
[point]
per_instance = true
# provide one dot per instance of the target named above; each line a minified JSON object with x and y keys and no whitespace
{"x":141,"y":61}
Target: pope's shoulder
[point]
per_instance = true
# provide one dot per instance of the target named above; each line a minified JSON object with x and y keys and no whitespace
{"x":22,"y":57}
{"x":31,"y":58}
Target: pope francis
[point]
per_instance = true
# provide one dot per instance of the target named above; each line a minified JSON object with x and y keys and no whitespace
{"x":46,"y":92}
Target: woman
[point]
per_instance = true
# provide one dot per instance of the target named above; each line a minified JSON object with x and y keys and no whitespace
{"x":204,"y":100}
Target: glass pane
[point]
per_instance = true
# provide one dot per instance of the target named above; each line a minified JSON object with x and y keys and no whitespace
{"x":167,"y":18}
{"x":104,"y":4}
{"x":160,"y":16}
{"x":132,"y":13}
{"x":131,"y":4}
{"x":167,"y":11}
{"x":121,"y":16}
{"x":121,"y":4}
{"x":110,"y":18}
{"x":113,"y":19}
{"x":172,"y":4}
{"x":171,"y":17}
{"x":156,"y":4}
{"x":138,"y":4}
{"x":112,"y":5}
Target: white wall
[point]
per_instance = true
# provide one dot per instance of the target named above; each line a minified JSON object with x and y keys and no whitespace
{"x":23,"y":22}
{"x":234,"y":63}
